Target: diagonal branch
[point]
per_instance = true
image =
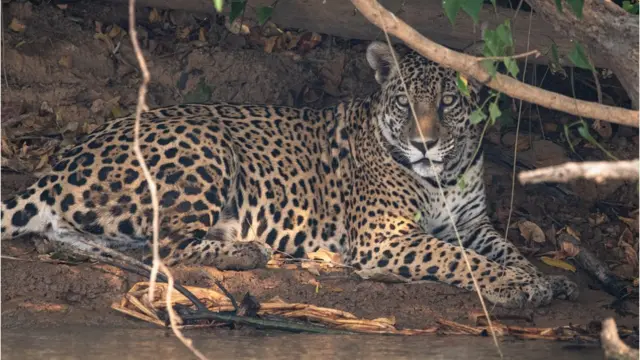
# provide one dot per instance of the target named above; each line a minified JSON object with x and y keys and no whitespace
{"x":597,"y":171}
{"x":471,"y":66}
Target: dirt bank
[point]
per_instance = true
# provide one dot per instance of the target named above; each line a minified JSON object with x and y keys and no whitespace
{"x":63,"y":75}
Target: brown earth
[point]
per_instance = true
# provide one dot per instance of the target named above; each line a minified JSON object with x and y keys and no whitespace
{"x":60,"y":80}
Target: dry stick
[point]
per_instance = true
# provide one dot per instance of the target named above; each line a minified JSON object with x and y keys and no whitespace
{"x":470,"y":66}
{"x":614,"y":348}
{"x":157,"y":262}
{"x":598,"y":171}
{"x":446,"y":204}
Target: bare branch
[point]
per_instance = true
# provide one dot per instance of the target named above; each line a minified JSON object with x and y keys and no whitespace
{"x":157,"y":261}
{"x":597,"y":171}
{"x":470,"y":66}
{"x":614,"y":348}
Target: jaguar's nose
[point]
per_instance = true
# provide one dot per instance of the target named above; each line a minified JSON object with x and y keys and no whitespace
{"x":423,"y":146}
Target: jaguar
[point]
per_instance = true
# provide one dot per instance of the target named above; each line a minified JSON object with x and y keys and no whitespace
{"x":376,"y":179}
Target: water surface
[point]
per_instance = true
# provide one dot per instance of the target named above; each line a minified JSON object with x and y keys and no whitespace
{"x":158,"y":344}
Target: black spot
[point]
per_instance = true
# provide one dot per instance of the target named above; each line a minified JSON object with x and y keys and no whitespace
{"x":404,"y":272}
{"x":173,"y":178}
{"x":77,"y":179}
{"x":46,"y":197}
{"x":433,"y":269}
{"x":453,"y":266}
{"x":204,"y":174}
{"x":170,"y":153}
{"x":68,"y":201}
{"x":185,"y":161}
{"x":383,"y":262}
{"x":183,"y":207}
{"x":271,"y":238}
{"x":410,"y":257}
{"x":104,"y":173}
{"x":115,"y":186}
{"x":299,"y":239}
{"x":282,"y":245}
{"x":131,"y":176}
{"x":125,"y":227}
{"x":21,"y":218}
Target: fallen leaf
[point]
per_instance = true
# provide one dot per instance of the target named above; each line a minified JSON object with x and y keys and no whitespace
{"x":183,"y":33}
{"x":98,"y":27}
{"x":270,"y":43}
{"x":630,"y":255}
{"x":311,"y":267}
{"x":598,"y":219}
{"x":326,"y":256}
{"x":603,"y":128}
{"x":573,"y":233}
{"x":62,"y":6}
{"x":568,"y":249}
{"x":17,"y":26}
{"x":531,"y":232}
{"x":558,"y":263}
{"x":237,"y":27}
{"x":154,"y":16}
{"x":202,"y":35}
{"x":115,"y":31}
{"x":308,"y":41}
{"x":65,"y":61}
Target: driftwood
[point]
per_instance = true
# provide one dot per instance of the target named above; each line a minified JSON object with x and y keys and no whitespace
{"x":598,"y":171}
{"x":611,"y":283}
{"x":614,"y":348}
{"x":340,"y":18}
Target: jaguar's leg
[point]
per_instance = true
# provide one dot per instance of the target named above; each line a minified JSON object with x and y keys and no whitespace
{"x":418,"y":256}
{"x":485,"y":240}
{"x":196,"y":249}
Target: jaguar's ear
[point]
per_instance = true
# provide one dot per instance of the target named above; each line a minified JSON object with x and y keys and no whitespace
{"x":380,"y":59}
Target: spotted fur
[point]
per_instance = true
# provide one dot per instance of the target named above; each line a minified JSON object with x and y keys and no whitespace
{"x":354,"y":178}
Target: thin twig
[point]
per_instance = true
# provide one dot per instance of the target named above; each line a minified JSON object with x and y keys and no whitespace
{"x":157,"y":261}
{"x":517,"y":56}
{"x":614,"y":348}
{"x":598,"y":171}
{"x":469,"y":65}
{"x":444,"y":198}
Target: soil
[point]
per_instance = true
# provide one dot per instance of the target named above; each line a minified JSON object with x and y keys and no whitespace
{"x":60,"y":80}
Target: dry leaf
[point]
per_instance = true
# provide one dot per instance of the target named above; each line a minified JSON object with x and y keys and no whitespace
{"x":269,"y":44}
{"x":630,"y":222}
{"x":311,"y":267}
{"x":598,"y":219}
{"x":531,"y":232}
{"x":62,"y":6}
{"x":308,"y":41}
{"x":558,"y":263}
{"x":202,"y":35}
{"x":98,"y":27}
{"x":569,"y":250}
{"x":183,"y":33}
{"x":154,"y":16}
{"x":326,"y":256}
{"x":115,"y":31}
{"x":603,"y":128}
{"x":573,"y":233}
{"x":17,"y":26}
{"x":630,"y":255}
{"x":65,"y":61}
{"x":237,"y":27}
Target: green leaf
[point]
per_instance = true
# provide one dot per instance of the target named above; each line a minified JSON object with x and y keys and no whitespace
{"x":554,"y":54}
{"x":512,"y":66}
{"x":263,"y":14}
{"x":559,"y":5}
{"x":417,"y":216}
{"x":504,"y":34}
{"x":237,"y":8}
{"x":462,"y":85}
{"x":491,"y":40}
{"x":477,"y":116}
{"x":494,"y":112}
{"x":490,"y":66}
{"x":451,"y":8}
{"x":576,"y":6}
{"x":579,"y":57}
{"x":632,"y":8}
{"x":472,"y":8}
{"x":217,"y":4}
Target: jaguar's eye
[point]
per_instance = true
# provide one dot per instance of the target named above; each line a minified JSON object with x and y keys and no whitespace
{"x":402,"y":100}
{"x":447,"y":99}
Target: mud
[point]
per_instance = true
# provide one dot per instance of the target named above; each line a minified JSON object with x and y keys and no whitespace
{"x":84,"y":81}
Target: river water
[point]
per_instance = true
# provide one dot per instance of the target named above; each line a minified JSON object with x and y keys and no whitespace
{"x":158,"y":344}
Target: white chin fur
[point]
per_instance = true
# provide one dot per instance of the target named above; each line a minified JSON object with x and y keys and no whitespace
{"x":425,"y":169}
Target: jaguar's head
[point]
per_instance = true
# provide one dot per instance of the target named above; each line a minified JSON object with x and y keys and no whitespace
{"x":441,"y":131}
